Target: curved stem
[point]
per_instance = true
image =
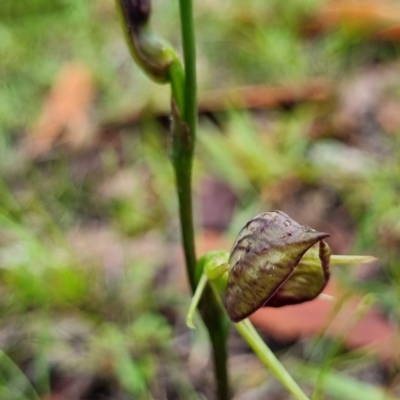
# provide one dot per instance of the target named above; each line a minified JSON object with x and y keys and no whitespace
{"x":248,"y":332}
{"x":195,"y":301}
{"x":151,"y":53}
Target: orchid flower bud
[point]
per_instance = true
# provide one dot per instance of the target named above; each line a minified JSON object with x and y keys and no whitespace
{"x":153,"y":54}
{"x":275,"y":261}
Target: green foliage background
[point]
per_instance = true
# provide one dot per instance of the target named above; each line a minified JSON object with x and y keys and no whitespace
{"x":64,"y":310}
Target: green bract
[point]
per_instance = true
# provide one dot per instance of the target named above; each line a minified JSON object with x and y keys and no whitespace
{"x":275,"y":261}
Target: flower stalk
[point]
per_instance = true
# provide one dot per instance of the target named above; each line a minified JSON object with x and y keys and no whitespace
{"x":161,"y":63}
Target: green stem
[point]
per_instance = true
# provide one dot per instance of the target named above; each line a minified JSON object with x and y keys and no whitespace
{"x":189,"y":58}
{"x":176,"y":76}
{"x":160,"y":62}
{"x":248,"y":332}
{"x":184,"y":137}
{"x":182,"y":156}
{"x":212,"y":314}
{"x":220,"y":356}
{"x":182,"y":166}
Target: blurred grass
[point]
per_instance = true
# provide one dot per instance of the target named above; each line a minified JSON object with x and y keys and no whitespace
{"x":87,"y":287}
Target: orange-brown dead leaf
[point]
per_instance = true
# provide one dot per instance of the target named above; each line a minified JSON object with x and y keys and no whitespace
{"x":390,"y":34}
{"x":65,"y":114}
{"x":371,"y":16}
{"x":249,"y":97}
{"x":264,"y":96}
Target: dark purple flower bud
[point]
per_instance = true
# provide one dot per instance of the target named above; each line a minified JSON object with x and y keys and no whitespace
{"x":267,"y":265}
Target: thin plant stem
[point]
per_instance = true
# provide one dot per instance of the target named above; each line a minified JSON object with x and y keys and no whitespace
{"x":183,"y":182}
{"x":182,"y":155}
{"x":248,"y":332}
{"x":184,"y":143}
{"x":189,"y":59}
{"x":161,"y":63}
